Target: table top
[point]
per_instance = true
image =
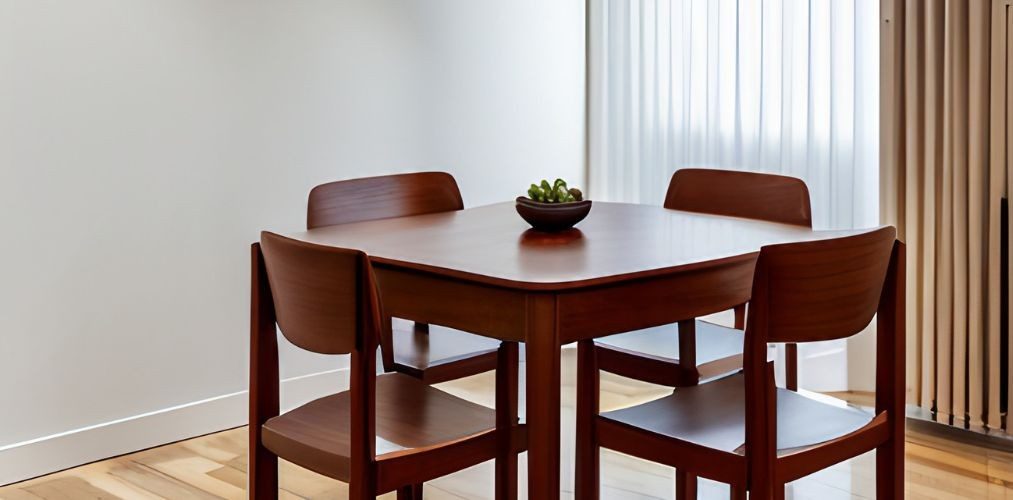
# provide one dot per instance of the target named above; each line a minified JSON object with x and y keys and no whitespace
{"x":616,"y":242}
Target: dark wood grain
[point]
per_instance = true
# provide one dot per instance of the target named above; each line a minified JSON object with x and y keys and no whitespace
{"x":383,"y":197}
{"x":413,"y":492}
{"x":791,"y":366}
{"x":506,"y":420}
{"x":264,"y":384}
{"x":483,"y":272}
{"x":750,"y":195}
{"x":685,"y":485}
{"x":386,"y":433}
{"x":587,"y":467}
{"x":617,"y":243}
{"x":754,"y":195}
{"x":688,"y":416}
{"x":463,"y":305}
{"x":891,"y":390}
{"x":543,"y":358}
{"x":745,"y":431}
{"x":828,"y":277}
{"x":410,"y":415}
{"x":694,"y":291}
{"x":435,"y":354}
{"x":315,"y":293}
{"x":432,"y":358}
{"x":835,"y":293}
{"x":653,"y":354}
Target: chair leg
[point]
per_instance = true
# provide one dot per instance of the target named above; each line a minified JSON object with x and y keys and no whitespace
{"x":506,"y":421}
{"x":768,"y":491}
{"x":778,"y":493}
{"x":685,"y":485}
{"x":890,"y":469}
{"x":738,"y":492}
{"x":263,"y":481}
{"x":740,"y":317}
{"x":359,"y":491}
{"x":587,"y":458}
{"x":262,"y":466}
{"x":791,"y":366}
{"x":411,"y":492}
{"x":761,"y":489}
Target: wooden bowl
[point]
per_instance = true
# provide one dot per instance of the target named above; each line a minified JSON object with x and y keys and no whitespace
{"x":552,"y":216}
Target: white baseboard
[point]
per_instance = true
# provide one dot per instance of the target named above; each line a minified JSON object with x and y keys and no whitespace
{"x":43,"y":455}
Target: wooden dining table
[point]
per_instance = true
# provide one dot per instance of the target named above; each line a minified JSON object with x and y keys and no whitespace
{"x":625,"y":267}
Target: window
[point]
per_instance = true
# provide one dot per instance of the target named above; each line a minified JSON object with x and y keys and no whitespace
{"x":789,"y":87}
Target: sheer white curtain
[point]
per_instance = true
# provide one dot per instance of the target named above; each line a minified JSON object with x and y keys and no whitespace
{"x":789,"y":87}
{"x":781,"y":86}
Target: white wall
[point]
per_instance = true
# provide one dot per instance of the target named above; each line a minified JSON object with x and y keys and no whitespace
{"x":144,"y":143}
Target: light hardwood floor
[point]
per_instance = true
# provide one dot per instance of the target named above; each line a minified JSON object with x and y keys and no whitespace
{"x":214,"y":466}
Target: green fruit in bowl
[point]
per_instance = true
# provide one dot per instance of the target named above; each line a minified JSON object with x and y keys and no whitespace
{"x":547,"y":192}
{"x":557,"y":192}
{"x":563,"y":195}
{"x":536,"y":193}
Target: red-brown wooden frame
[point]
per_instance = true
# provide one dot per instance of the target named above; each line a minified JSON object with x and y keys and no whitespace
{"x":403,"y":473}
{"x":761,"y":470}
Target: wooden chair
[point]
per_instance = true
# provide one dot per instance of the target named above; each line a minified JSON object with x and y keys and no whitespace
{"x":389,"y":432}
{"x":742,"y":429}
{"x":434,"y":353}
{"x":682,"y":355}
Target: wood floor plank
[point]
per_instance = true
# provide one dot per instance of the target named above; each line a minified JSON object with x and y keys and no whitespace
{"x":17,"y":494}
{"x":69,"y":488}
{"x":217,"y":447}
{"x":195,"y":472}
{"x":235,"y":477}
{"x":159,"y":484}
{"x":214,"y":466}
{"x":100,"y":477}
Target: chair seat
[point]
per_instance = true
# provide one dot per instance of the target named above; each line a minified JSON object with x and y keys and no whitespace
{"x":442,"y":353}
{"x":713,"y":342}
{"x":713,"y":415}
{"x":409,"y":414}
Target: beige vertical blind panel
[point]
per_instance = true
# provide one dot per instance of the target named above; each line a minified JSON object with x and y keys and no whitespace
{"x":977,"y":211}
{"x":996,"y":189}
{"x":1000,"y":185}
{"x":945,"y":172}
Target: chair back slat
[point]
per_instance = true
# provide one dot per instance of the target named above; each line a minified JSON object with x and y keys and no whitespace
{"x":383,"y":197}
{"x":318,"y":293}
{"x":752,"y":195}
{"x":819,"y":290}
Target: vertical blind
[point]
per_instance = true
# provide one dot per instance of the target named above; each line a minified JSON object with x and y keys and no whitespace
{"x":947,"y":174}
{"x":789,"y":87}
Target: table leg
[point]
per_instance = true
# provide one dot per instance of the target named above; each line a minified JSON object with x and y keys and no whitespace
{"x":543,"y":397}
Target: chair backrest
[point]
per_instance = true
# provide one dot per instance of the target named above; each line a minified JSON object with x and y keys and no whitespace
{"x":387,"y":196}
{"x":322,"y":295}
{"x":752,"y":195}
{"x":819,"y":290}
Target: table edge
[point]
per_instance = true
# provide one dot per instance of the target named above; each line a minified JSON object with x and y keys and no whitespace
{"x":557,"y":286}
